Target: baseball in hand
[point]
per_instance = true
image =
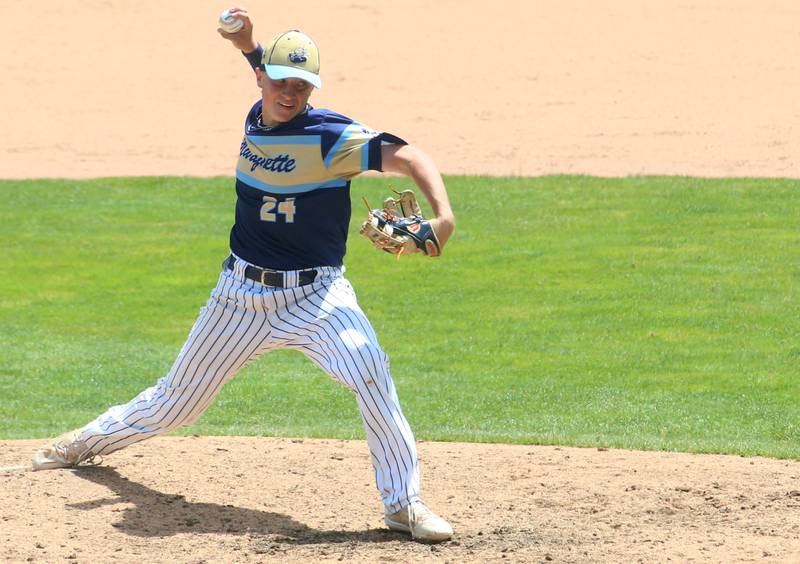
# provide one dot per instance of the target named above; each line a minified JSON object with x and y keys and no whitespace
{"x":228,"y":23}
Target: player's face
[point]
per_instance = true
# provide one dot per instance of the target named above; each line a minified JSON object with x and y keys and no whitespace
{"x":282,"y":99}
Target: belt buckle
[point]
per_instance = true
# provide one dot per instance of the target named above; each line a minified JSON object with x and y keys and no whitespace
{"x":264,"y":283}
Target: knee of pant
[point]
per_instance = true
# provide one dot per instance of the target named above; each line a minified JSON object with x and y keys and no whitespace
{"x":376,"y":370}
{"x":182,"y":419}
{"x":186,"y":421}
{"x":179,"y":403}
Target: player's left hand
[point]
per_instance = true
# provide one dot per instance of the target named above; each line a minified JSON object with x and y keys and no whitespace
{"x":242,"y":39}
{"x":400,"y":228}
{"x":444,"y":228}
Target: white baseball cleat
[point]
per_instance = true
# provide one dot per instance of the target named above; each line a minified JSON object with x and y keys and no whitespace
{"x":67,"y":451}
{"x":423,"y":524}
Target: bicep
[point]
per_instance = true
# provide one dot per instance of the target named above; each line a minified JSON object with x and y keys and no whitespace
{"x":397,"y":158}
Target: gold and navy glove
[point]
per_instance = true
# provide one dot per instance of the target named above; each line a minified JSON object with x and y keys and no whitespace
{"x":400,"y":228}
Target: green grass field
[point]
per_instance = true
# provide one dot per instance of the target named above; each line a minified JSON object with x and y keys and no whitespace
{"x":652,"y":313}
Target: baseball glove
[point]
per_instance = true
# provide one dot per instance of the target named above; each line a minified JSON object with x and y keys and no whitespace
{"x":400,"y":228}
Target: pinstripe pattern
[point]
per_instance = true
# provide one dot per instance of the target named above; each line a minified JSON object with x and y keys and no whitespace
{"x":243,"y":320}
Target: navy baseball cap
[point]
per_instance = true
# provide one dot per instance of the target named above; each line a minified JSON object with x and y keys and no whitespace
{"x":292,"y":54}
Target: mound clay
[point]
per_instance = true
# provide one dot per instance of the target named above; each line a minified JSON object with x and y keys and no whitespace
{"x":617,"y":87}
{"x":235,"y":499}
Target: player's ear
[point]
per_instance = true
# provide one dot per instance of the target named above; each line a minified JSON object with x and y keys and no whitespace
{"x":260,"y":77}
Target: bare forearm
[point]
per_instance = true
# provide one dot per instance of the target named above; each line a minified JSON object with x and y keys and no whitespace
{"x":420,"y":167}
{"x":425,"y":174}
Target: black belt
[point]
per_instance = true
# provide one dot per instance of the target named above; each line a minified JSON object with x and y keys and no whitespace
{"x":272,"y":278}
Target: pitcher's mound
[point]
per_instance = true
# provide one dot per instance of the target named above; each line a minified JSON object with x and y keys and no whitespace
{"x":237,"y":499}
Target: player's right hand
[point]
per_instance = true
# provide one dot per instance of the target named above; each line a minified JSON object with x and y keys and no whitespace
{"x":242,"y":39}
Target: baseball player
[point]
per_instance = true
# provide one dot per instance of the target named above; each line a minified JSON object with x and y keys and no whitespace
{"x":283,"y":285}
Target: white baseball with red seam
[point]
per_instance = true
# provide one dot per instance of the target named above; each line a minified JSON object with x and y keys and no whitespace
{"x":229,"y":23}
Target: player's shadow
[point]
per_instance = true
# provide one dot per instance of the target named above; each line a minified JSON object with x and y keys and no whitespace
{"x":151,"y":513}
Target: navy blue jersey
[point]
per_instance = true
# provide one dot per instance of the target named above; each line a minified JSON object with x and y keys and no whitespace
{"x":293,"y":187}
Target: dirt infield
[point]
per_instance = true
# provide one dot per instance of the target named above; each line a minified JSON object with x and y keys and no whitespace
{"x":618,"y":87}
{"x":104,"y":88}
{"x":233,"y":499}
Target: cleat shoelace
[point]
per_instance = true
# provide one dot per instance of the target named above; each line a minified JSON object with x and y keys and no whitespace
{"x":67,"y":451}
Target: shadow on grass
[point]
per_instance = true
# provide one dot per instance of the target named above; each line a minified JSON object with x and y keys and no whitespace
{"x":155,"y":514}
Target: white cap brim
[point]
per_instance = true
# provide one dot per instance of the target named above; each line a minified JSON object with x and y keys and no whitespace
{"x":277,"y":72}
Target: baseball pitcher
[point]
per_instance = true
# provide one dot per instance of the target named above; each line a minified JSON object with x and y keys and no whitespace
{"x":283,"y":284}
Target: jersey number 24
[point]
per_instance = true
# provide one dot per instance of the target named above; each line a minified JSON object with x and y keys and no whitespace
{"x":272,"y":207}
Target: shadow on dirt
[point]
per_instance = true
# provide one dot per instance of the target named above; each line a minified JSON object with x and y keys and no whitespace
{"x":155,"y":514}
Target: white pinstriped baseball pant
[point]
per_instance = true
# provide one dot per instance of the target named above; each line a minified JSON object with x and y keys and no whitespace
{"x":243,"y":320}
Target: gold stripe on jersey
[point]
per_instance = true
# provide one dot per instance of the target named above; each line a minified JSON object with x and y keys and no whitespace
{"x":294,"y":163}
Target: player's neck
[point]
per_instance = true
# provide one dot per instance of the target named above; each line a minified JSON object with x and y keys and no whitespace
{"x":261,"y":125}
